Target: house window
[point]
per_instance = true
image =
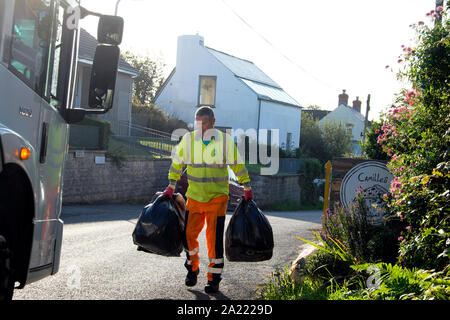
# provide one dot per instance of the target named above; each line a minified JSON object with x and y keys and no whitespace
{"x":349,"y":127}
{"x":207,"y":94}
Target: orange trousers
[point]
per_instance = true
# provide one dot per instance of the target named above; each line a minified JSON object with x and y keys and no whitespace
{"x":214,"y":213}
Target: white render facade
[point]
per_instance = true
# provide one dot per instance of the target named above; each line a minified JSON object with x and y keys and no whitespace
{"x":351,"y":119}
{"x":244,"y":97}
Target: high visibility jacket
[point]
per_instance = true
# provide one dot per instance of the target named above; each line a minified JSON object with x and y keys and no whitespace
{"x":207,"y":171}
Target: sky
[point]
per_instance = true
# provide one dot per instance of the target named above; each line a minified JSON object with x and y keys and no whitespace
{"x":312,"y":49}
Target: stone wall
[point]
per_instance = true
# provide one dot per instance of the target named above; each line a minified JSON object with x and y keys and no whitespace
{"x":271,"y":189}
{"x":86,"y":182}
{"x":137,"y":180}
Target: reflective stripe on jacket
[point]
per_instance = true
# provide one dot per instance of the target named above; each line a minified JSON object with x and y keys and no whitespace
{"x":207,"y":171}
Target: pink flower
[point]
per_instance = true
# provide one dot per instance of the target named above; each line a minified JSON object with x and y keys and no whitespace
{"x":408,"y":228}
{"x":399,"y":60}
{"x":377,"y":131}
{"x":440,"y":9}
{"x":400,"y":238}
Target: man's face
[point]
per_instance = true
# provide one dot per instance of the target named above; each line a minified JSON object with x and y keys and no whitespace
{"x":204,"y":123}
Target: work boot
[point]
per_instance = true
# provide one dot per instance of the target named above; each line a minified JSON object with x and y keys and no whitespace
{"x":212,"y":287}
{"x":191,"y":278}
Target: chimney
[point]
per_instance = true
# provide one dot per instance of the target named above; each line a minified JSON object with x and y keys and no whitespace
{"x":357,"y":105}
{"x":187,"y":47}
{"x":343,"y":98}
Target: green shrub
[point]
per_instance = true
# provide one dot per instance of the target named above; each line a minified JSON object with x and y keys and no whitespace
{"x":392,"y":282}
{"x":104,"y":131}
{"x":324,"y":268}
{"x":415,"y":134}
{"x":365,"y":241}
{"x":311,"y":169}
{"x":371,"y":148}
{"x":281,"y":287}
{"x":157,"y":119}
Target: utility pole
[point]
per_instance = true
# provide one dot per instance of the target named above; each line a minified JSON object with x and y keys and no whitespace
{"x":366,"y":120}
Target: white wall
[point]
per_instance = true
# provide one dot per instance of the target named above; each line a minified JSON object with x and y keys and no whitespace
{"x":345,"y":115}
{"x":122,"y":97}
{"x":282,"y":117}
{"x":236,"y":105}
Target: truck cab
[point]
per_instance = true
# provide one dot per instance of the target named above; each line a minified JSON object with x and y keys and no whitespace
{"x":38,"y":63}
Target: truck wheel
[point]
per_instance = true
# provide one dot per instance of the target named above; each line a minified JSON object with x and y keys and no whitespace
{"x":6,"y":275}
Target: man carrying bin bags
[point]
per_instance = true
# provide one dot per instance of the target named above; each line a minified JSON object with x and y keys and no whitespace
{"x":207,"y":152}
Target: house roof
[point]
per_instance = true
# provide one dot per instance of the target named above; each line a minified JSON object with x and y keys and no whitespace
{"x":357,"y":113}
{"x":260,"y":83}
{"x":243,"y":68}
{"x":270,"y":93}
{"x":88,"y":43}
{"x":316,"y":114}
{"x":254,"y":78}
{"x":349,"y":109}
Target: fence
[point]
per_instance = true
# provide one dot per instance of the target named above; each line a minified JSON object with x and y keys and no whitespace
{"x":138,"y":141}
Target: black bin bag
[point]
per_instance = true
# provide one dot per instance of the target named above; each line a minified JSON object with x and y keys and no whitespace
{"x":159,"y":229}
{"x":249,"y":236}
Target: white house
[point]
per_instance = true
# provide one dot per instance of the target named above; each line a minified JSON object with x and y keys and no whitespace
{"x":243,"y":96}
{"x":350,"y":117}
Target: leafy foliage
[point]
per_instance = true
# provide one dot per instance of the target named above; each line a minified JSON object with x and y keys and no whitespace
{"x":416,"y":135}
{"x":150,"y":76}
{"x":366,"y":241}
{"x":310,"y":170}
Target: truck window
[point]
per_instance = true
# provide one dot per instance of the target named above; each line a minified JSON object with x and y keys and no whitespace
{"x":54,"y":62}
{"x":5,"y":29}
{"x":32,"y":24}
{"x":2,"y":32}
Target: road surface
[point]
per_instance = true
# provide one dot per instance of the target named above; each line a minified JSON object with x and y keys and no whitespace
{"x":100,"y":261}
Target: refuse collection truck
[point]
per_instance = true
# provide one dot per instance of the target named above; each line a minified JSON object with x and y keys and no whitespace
{"x":38,"y":75}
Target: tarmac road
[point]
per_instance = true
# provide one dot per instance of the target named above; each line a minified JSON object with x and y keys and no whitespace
{"x":100,"y":261}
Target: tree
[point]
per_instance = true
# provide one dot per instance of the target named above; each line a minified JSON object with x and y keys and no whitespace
{"x":311,"y":141}
{"x":150,"y":76}
{"x":337,"y":140}
{"x":314,"y":107}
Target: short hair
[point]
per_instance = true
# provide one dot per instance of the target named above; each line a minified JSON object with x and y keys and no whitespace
{"x":205,"y":111}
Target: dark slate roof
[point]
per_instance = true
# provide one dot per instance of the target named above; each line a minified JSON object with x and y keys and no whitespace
{"x":316,"y":114}
{"x":88,"y":43}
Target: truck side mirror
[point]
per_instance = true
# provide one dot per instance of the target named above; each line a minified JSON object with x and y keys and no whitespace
{"x":110,"y":30}
{"x":103,"y":76}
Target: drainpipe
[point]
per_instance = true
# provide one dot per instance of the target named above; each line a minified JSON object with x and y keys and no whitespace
{"x":259,"y":117}
{"x":130,"y":107}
